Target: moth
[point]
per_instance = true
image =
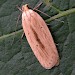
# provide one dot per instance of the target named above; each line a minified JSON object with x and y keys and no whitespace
{"x":39,"y":38}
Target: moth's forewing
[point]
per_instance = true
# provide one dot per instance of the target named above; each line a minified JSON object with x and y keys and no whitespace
{"x":39,"y":38}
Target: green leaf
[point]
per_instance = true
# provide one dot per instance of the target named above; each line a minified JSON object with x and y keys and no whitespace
{"x":16,"y":56}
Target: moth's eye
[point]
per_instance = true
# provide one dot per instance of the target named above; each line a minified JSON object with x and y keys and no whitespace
{"x":27,"y":6}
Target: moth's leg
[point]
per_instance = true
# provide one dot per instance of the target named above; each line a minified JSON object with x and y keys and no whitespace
{"x":56,"y":44}
{"x":43,"y":13}
{"x":23,"y":34}
{"x":48,"y":15}
{"x":15,"y":29}
{"x":48,"y":24}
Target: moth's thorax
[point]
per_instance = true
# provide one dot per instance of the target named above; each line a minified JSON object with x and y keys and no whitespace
{"x":25,"y":7}
{"x":27,"y":14}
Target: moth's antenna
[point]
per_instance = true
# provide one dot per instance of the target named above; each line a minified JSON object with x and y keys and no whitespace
{"x":37,"y":6}
{"x":19,"y":8}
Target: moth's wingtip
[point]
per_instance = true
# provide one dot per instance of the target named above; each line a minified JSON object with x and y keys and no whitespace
{"x":49,"y":67}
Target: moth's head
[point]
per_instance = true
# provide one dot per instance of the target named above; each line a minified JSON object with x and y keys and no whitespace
{"x":25,"y":7}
